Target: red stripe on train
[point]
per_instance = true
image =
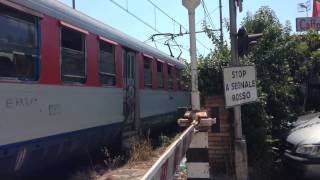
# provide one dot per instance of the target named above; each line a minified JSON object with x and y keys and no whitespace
{"x":50,"y":51}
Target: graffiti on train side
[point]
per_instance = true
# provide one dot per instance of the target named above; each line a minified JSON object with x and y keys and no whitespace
{"x":54,"y":109}
{"x":20,"y":102}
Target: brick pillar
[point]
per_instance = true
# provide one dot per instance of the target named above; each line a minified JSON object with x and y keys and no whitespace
{"x":220,"y":138}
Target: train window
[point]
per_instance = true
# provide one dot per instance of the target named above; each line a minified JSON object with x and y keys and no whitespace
{"x":147,"y":64}
{"x":160,"y":74}
{"x":179,"y":79}
{"x":107,"y":64}
{"x":73,"y":61}
{"x":19,"y":50}
{"x":170,"y":77}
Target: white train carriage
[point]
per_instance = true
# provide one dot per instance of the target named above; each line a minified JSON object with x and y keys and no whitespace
{"x":68,"y":81}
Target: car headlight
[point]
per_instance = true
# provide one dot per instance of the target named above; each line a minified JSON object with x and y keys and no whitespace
{"x":311,"y":150}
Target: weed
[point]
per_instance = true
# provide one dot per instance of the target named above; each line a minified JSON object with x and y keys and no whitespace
{"x":164,"y":140}
{"x":112,"y":162}
{"x":141,"y":151}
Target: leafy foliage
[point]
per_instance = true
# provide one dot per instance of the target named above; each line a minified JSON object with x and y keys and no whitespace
{"x":210,"y":67}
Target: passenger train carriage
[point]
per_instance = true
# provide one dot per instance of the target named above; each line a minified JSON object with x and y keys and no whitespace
{"x":68,"y":82}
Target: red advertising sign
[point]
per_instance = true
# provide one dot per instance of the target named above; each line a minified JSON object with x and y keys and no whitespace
{"x":307,"y":23}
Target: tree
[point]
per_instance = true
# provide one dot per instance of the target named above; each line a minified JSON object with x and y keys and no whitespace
{"x":284,"y":63}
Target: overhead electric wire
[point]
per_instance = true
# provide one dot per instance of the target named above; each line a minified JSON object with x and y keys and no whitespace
{"x":150,"y":26}
{"x":173,"y":47}
{"x":205,"y":16}
{"x":160,"y":39}
{"x":183,"y":48}
{"x":135,"y":16}
{"x":207,"y":13}
{"x":165,"y":13}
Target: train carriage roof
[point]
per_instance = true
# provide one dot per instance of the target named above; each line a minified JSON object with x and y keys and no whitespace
{"x":65,"y":13}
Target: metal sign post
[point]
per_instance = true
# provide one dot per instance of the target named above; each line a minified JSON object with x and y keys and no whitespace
{"x":240,"y":148}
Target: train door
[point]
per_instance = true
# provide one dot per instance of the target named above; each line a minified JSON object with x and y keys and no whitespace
{"x":129,"y":89}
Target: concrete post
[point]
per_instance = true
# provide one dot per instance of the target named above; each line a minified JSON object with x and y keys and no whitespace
{"x":191,"y":5}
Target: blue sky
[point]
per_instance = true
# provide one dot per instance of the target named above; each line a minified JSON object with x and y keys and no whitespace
{"x":109,"y":13}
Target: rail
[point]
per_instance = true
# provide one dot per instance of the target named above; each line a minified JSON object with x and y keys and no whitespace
{"x":166,"y":166}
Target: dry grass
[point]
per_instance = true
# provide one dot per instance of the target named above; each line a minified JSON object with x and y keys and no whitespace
{"x":141,"y":151}
{"x":141,"y":156}
{"x":144,"y":151}
{"x":110,"y":161}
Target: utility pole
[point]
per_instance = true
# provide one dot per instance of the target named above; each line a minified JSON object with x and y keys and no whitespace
{"x":74,"y":4}
{"x":221,"y":30}
{"x":191,"y":5}
{"x":240,"y":148}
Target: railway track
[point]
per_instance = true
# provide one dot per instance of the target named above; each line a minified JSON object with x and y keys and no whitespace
{"x":92,"y":165}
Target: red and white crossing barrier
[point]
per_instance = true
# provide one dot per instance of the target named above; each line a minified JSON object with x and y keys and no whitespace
{"x":167,"y":164}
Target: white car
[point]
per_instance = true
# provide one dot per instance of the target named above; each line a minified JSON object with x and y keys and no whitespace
{"x":302,"y":148}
